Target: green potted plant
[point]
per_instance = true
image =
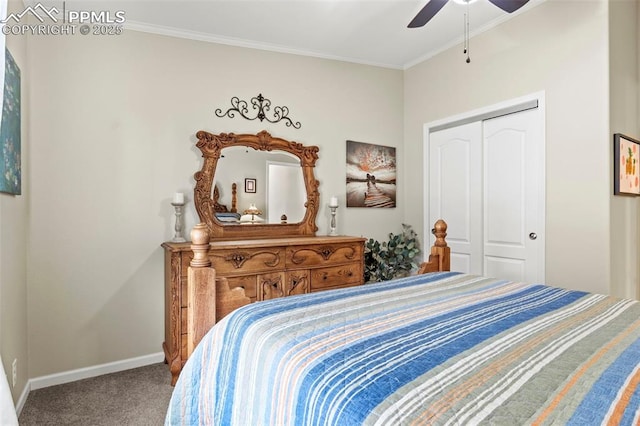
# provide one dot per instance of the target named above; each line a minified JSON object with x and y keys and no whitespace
{"x":394,"y":258}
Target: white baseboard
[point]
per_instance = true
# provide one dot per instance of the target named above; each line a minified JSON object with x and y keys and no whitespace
{"x":85,"y":373}
{"x":96,"y":370}
{"x":23,"y":398}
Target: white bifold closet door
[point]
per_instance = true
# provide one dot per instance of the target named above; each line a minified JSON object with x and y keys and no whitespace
{"x":486,"y":180}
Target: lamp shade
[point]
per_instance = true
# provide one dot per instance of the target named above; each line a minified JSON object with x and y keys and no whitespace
{"x":253,"y":210}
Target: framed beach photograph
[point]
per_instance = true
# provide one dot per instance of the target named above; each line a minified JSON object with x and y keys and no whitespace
{"x":626,"y":170}
{"x":250,"y":186}
{"x":371,"y":175}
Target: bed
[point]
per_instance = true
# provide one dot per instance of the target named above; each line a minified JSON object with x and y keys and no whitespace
{"x":223,"y":213}
{"x":435,"y":348}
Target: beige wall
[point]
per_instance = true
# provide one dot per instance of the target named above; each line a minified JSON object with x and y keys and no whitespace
{"x":13,"y":240}
{"x":624,"y":55}
{"x":540,"y":50}
{"x":113,"y":130}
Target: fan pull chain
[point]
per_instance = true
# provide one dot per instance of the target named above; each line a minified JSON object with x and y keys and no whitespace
{"x":467,"y":47}
{"x":464,"y":32}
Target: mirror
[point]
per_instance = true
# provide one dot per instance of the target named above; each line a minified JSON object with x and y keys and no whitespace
{"x":275,"y":187}
{"x":273,"y":178}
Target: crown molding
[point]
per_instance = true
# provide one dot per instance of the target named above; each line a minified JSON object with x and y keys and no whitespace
{"x":249,"y":44}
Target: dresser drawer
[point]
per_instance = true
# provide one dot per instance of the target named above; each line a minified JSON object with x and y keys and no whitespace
{"x":248,"y":283}
{"x":323,"y":254}
{"x":297,"y":282}
{"x":242,"y":261}
{"x":271,"y":286}
{"x":336,"y":276}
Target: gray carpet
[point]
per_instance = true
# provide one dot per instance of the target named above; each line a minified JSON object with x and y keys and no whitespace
{"x":133,"y":397}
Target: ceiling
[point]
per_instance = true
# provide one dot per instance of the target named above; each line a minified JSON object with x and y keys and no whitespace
{"x":371,"y":32}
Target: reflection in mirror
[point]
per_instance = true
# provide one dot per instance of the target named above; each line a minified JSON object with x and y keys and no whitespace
{"x":286,"y":193}
{"x":275,"y":197}
{"x":279,"y":190}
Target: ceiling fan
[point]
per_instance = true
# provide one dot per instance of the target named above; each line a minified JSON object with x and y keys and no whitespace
{"x":434,"y":6}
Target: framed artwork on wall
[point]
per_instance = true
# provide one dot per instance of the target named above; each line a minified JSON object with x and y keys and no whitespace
{"x":371,"y":175}
{"x":10,"y":161}
{"x":250,"y":186}
{"x":626,"y":170}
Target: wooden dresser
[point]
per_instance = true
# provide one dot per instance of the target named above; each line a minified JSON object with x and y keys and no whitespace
{"x":256,"y":270}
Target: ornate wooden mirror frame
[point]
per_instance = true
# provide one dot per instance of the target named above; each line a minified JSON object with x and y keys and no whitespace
{"x":211,"y":146}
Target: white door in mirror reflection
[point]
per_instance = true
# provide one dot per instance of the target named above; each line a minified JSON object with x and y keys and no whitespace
{"x":286,"y":193}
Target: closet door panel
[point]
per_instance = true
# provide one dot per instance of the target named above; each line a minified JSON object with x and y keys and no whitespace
{"x":455,"y":192}
{"x":513,"y":202}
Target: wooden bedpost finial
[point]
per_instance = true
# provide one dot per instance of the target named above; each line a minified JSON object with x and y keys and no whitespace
{"x":440,"y":231}
{"x":200,"y":246}
{"x":439,"y":259}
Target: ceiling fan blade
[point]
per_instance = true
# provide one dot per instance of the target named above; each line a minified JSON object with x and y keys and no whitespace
{"x":427,"y":12}
{"x":509,"y":6}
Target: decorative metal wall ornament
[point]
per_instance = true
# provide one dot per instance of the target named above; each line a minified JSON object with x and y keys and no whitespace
{"x":262,"y":104}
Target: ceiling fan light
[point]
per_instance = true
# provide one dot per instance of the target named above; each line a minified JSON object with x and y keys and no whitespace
{"x":464,"y":1}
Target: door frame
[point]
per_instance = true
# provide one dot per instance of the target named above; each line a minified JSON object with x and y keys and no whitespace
{"x":268,"y":194}
{"x":491,"y":111}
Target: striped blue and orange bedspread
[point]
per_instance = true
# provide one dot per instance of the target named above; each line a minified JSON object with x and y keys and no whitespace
{"x":442,"y":348}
